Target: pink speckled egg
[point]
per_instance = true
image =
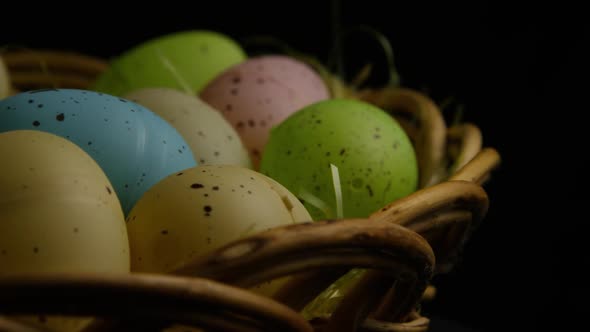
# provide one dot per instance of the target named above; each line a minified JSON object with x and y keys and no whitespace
{"x":261,"y":92}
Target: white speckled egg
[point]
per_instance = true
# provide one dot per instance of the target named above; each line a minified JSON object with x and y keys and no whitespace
{"x":210,"y":136}
{"x":202,"y":208}
{"x":262,"y":91}
{"x":4,"y":80}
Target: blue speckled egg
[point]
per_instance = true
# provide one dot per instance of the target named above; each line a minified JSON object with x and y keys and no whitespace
{"x":135,"y":147}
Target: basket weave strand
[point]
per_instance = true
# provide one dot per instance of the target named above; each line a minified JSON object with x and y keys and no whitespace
{"x":32,"y":69}
{"x":148,"y":299}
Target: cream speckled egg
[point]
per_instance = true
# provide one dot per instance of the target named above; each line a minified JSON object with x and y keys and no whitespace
{"x":210,"y":136}
{"x":259,"y":93}
{"x":58,"y":213}
{"x":202,"y":208}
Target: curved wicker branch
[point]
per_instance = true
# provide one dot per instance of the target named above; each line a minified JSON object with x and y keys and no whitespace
{"x":415,"y":323}
{"x":37,"y":69}
{"x":429,"y":293}
{"x":479,"y":168}
{"x":9,"y":325}
{"x":401,"y":294}
{"x":423,"y":122}
{"x":32,"y":81}
{"x":464,"y":143}
{"x":147,"y":298}
{"x":449,"y":195}
{"x":386,"y":298}
{"x":393,"y":250}
{"x":28,"y":59}
{"x":293,"y":249}
{"x":434,"y":212}
{"x":301,"y":289}
{"x":445,"y":214}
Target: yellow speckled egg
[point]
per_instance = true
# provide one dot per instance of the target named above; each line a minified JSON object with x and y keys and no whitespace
{"x":58,"y":213}
{"x":202,"y":208}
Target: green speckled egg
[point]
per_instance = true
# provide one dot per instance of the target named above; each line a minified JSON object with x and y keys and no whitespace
{"x":181,"y":60}
{"x":374,"y":156}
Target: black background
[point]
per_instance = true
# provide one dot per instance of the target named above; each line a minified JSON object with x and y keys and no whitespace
{"x":520,"y":71}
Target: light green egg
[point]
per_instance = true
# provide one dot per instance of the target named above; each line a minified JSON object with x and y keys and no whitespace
{"x":184,"y":60}
{"x":375,"y":159}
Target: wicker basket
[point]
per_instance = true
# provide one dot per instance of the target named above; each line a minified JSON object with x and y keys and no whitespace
{"x":39,"y":69}
{"x":402,"y":245}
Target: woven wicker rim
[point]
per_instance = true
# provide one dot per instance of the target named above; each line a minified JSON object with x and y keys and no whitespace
{"x":36,"y":69}
{"x":149,"y":298}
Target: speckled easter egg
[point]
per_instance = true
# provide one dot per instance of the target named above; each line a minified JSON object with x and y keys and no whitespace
{"x":135,"y":147}
{"x":262,"y":91}
{"x":211,"y":138}
{"x":59,"y":211}
{"x":202,"y":208}
{"x":58,"y":214}
{"x":181,"y":60}
{"x":374,"y":156}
